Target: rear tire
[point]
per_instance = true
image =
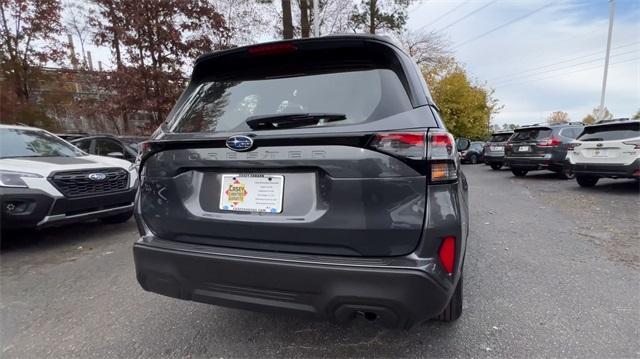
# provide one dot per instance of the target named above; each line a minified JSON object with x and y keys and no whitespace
{"x":566,"y":173}
{"x":118,"y":218}
{"x":453,"y":310}
{"x":474,"y":160}
{"x":496,"y":166}
{"x":518,"y":172}
{"x":587,"y":181}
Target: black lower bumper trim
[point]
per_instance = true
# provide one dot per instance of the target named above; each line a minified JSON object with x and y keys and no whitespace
{"x":71,"y":206}
{"x":23,"y":207}
{"x":398,"y":297}
{"x":607,"y":170}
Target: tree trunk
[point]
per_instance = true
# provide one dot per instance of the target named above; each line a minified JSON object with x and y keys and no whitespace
{"x":287,"y":20}
{"x":373,"y":6}
{"x":304,"y":18}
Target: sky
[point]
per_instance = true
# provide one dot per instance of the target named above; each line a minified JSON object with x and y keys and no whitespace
{"x":539,"y":56}
{"x":548,"y":56}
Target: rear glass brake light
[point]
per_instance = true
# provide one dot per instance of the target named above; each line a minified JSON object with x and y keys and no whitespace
{"x":271,"y":49}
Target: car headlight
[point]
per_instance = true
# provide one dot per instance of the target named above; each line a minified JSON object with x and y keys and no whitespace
{"x":15,"y":179}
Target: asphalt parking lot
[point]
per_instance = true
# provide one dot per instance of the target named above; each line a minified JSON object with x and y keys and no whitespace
{"x":552,"y":270}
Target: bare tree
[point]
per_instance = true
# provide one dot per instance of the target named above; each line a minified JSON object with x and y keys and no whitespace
{"x":287,"y":20}
{"x":77,"y":23}
{"x":426,"y":48}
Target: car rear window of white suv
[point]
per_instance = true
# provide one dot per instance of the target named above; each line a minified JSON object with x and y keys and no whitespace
{"x":611,"y":132}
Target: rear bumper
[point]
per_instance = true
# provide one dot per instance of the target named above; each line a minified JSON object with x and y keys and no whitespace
{"x":491,"y":159}
{"x":534,"y":163}
{"x":607,"y":170}
{"x":331,"y":289}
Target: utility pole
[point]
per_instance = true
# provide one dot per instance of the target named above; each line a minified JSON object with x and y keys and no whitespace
{"x":316,"y":19}
{"x":612,"y":12}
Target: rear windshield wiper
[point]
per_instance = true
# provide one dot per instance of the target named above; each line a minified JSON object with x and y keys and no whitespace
{"x":292,"y":120}
{"x":593,"y":139}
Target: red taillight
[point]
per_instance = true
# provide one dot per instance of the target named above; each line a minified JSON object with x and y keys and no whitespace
{"x":549,"y":142}
{"x":635,"y":143}
{"x":271,"y":49}
{"x":402,"y":144}
{"x":447,"y":253}
{"x":441,"y":140}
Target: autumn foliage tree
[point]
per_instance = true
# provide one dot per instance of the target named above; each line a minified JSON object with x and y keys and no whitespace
{"x":151,"y":42}
{"x":558,"y":117}
{"x":28,"y":42}
{"x":465,"y":107}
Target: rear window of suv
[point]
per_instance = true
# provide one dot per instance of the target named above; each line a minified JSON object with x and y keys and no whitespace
{"x":222,"y":106}
{"x":611,"y":132}
{"x":532,"y":134}
{"x":500,"y":137}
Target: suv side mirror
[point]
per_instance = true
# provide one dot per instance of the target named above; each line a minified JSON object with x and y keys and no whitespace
{"x":116,"y":155}
{"x":463,"y":144}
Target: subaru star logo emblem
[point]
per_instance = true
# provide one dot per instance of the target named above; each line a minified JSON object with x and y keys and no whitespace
{"x":97,"y":176}
{"x":239,"y":143}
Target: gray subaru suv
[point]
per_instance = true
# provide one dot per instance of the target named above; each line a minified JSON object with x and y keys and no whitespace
{"x":309,"y":176}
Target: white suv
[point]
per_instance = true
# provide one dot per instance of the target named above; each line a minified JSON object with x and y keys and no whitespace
{"x":610,"y":150}
{"x":45,"y":181}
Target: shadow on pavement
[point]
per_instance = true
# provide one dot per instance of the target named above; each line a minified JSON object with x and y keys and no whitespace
{"x":24,"y":239}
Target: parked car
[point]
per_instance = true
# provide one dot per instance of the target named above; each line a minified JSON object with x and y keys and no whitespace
{"x":323,"y":183}
{"x":45,"y":181}
{"x":541,"y":147}
{"x":494,"y":149}
{"x":72,"y":135}
{"x":610,"y":150}
{"x":107,"y":145}
{"x":474,"y":154}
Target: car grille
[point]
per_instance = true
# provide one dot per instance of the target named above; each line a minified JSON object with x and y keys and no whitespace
{"x":79,"y":183}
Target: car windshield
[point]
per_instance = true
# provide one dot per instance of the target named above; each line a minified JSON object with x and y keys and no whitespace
{"x":362,"y":95}
{"x":531,"y":134}
{"x":33,"y":143}
{"x":611,"y":132}
{"x":500,"y":137}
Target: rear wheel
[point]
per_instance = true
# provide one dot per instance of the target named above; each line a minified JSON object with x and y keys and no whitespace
{"x":566,"y":173}
{"x":118,"y":218}
{"x":453,"y":310}
{"x":496,"y":166}
{"x":474,"y":159}
{"x":518,"y":172}
{"x":587,"y":181}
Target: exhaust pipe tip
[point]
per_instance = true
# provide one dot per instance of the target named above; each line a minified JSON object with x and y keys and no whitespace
{"x":369,"y":316}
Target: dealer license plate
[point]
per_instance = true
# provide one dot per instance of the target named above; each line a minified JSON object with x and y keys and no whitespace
{"x":600,"y":153}
{"x":252,"y":193}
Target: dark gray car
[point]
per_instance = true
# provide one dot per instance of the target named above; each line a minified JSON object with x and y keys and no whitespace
{"x":494,"y":149}
{"x":311,"y":176}
{"x":541,"y":147}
